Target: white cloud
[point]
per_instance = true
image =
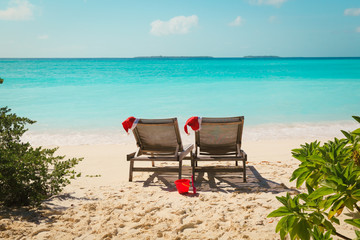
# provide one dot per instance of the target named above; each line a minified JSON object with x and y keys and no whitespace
{"x":273,"y":19}
{"x":17,"y":10}
{"x":176,"y":25}
{"x":276,"y":3}
{"x":352,"y":12}
{"x":358,"y":29}
{"x":237,"y":22}
{"x":43,"y":37}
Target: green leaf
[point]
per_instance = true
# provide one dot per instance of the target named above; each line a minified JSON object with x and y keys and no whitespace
{"x":320,"y":192}
{"x":284,"y":200}
{"x":298,"y":172}
{"x":336,"y":206}
{"x":285,"y":225}
{"x":335,"y":220}
{"x":327,"y":235}
{"x":318,"y":234}
{"x":317,"y":159}
{"x":293,"y":202}
{"x":282,"y":211}
{"x":349,"y":203}
{"x":346,"y":134}
{"x":302,"y":178}
{"x":303,"y":196}
{"x":354,"y":222}
{"x":357,"y":118}
{"x":291,"y":221}
{"x":309,"y":188}
{"x":316,"y":218}
{"x":282,"y":234}
{"x":336,"y":181}
{"x":280,"y":225}
{"x":302,"y":230}
{"x":356,"y":194}
{"x":296,"y":150}
{"x":293,"y":234}
{"x":328,"y":225}
{"x":357,"y":131}
{"x":329,"y":184}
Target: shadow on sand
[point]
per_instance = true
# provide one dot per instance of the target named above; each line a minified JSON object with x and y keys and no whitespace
{"x":220,"y":182}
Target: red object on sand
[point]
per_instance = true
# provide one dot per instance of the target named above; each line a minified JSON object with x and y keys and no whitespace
{"x":182,"y":185}
{"x":194,"y":123}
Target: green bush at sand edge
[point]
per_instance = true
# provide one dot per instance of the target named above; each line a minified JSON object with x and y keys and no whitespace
{"x":331,"y":174}
{"x":28,"y":175}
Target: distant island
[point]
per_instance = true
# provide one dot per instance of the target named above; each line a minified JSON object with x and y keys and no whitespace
{"x":261,"y":57}
{"x":200,"y":57}
{"x":175,"y":57}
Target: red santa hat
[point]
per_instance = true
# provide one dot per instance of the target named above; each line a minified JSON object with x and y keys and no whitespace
{"x":194,"y":123}
{"x":130,"y":123}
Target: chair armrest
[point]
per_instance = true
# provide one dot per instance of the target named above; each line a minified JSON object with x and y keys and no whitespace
{"x":186,"y":151}
{"x":130,"y":156}
{"x":243,"y":154}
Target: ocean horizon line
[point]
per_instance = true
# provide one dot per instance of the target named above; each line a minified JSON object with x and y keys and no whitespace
{"x":175,"y":58}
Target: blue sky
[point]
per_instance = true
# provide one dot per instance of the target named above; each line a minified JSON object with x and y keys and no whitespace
{"x":219,"y":28}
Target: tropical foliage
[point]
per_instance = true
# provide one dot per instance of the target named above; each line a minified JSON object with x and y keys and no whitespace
{"x":28,"y":175}
{"x":331,"y":174}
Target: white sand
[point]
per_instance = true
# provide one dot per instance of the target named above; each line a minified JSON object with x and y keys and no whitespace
{"x":102,"y":204}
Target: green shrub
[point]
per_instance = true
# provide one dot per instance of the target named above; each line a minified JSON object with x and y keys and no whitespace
{"x":331,"y":174}
{"x":28,"y":175}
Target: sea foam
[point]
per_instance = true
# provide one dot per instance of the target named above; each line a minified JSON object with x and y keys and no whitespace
{"x":321,"y":130}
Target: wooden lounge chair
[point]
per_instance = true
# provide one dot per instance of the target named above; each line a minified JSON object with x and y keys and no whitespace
{"x":219,"y":139}
{"x":158,"y":140}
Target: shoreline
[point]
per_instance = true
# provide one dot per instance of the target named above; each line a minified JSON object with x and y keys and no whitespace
{"x":270,"y":131}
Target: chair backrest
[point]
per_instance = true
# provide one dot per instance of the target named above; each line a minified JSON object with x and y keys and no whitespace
{"x":220,"y":136}
{"x":158,"y":136}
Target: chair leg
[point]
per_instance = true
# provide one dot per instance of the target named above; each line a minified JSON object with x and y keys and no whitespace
{"x":193,"y":164}
{"x":193,"y":169}
{"x":180,"y":168}
{"x":244,"y":170}
{"x":131,"y":170}
{"x":236,"y":163}
{"x":152,"y":162}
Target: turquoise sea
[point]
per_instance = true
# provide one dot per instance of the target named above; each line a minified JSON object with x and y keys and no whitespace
{"x":91,"y":97}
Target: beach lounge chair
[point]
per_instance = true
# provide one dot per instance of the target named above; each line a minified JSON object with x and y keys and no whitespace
{"x":158,"y":140}
{"x":219,"y":139}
